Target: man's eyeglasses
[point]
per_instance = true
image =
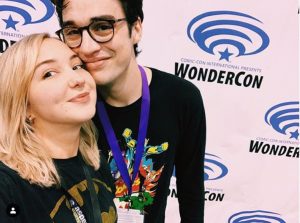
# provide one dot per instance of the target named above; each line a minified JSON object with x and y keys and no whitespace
{"x":101,"y":31}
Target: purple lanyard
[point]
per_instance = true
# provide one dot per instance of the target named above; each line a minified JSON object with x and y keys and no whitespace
{"x":113,"y":142}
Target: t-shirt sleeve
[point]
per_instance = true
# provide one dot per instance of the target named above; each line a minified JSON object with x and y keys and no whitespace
{"x":189,"y":161}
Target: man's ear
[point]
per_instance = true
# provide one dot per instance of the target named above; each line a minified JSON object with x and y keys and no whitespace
{"x":137,"y":31}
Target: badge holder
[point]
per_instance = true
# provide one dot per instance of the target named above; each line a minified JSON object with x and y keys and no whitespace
{"x":126,"y":215}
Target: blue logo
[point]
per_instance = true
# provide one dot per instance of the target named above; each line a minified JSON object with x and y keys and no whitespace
{"x":213,"y":168}
{"x":284,"y":118}
{"x":227,"y":34}
{"x":27,"y":11}
{"x":256,"y":216}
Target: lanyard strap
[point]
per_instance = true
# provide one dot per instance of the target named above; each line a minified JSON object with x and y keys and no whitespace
{"x":94,"y":199}
{"x":93,"y":194}
{"x":76,"y":210}
{"x":113,"y":142}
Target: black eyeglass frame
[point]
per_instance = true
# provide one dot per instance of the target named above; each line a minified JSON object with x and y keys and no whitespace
{"x":60,"y":33}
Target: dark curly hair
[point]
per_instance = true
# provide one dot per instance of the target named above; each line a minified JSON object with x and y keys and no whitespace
{"x":133,"y":10}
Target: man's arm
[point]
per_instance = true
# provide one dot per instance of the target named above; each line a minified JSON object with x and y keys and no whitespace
{"x":189,"y":161}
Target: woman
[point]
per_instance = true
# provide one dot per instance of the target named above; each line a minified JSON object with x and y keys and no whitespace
{"x":50,"y":169}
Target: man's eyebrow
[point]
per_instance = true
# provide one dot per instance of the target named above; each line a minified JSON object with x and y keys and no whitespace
{"x":93,"y":19}
{"x":109,"y":17}
{"x":68,"y":23}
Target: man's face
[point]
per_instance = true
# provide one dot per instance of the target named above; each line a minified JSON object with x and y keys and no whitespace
{"x":105,"y":61}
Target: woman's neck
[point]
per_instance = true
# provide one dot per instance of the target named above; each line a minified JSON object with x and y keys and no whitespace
{"x":62,"y":142}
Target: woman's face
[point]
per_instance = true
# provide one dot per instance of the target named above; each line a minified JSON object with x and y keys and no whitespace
{"x":62,"y":92}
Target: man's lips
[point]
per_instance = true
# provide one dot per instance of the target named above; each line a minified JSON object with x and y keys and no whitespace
{"x":96,"y":63}
{"x":81,"y":98}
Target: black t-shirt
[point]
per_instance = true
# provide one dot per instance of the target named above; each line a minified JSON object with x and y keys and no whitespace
{"x":42,"y":205}
{"x":175,"y":137}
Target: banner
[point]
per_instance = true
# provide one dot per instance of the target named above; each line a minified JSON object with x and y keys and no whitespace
{"x":243,"y":56}
{"x":21,"y":18}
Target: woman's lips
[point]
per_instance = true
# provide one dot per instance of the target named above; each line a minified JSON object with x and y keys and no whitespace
{"x":81,"y":98}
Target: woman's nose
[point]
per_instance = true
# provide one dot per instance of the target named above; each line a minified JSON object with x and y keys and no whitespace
{"x":76,"y":81}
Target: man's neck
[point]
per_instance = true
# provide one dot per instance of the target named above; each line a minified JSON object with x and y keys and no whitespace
{"x":127,"y":89}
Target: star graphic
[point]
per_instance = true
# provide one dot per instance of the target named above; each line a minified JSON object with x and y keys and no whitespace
{"x":10,"y":23}
{"x":225,"y":55}
{"x":294,"y":134}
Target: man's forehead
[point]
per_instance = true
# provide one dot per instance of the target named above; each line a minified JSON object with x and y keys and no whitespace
{"x":86,"y":10}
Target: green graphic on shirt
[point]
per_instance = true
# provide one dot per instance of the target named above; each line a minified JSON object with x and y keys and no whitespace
{"x":146,"y":182}
{"x":138,"y":202}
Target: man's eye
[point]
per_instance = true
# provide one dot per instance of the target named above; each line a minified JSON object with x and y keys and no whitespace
{"x":101,"y":26}
{"x":79,"y":66}
{"x":48,"y":74}
{"x":71,"y":31}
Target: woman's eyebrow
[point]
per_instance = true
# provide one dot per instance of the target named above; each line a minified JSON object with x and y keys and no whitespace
{"x":73,"y":56}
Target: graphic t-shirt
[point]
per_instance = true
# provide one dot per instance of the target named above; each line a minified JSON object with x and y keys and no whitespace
{"x":37,"y":204}
{"x":175,"y":137}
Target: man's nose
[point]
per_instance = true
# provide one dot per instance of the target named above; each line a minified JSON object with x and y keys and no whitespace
{"x":88,"y":46}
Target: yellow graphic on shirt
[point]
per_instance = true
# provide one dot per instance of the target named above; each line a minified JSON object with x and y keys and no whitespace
{"x":75,"y":192}
{"x":150,"y":170}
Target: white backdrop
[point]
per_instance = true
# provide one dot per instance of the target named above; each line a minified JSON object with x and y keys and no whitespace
{"x":242,"y":185}
{"x":243,"y":56}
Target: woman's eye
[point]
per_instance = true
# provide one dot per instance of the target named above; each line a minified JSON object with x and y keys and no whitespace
{"x":79,"y":66}
{"x":48,"y":74}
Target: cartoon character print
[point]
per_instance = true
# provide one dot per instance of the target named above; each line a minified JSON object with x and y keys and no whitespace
{"x":76,"y":191}
{"x":144,"y":186}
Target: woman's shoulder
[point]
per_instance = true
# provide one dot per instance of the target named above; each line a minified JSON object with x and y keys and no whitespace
{"x":8,"y":176}
{"x":9,"y":183}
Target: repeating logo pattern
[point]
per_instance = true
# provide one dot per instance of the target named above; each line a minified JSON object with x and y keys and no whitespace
{"x":27,"y":10}
{"x":284,"y":118}
{"x":228,"y":33}
{"x":256,"y":216}
{"x":213,"y":168}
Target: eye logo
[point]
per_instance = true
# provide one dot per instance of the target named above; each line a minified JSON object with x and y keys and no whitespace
{"x":228,"y":33}
{"x":213,"y":168}
{"x":27,"y":10}
{"x":256,"y":216}
{"x":284,"y":118}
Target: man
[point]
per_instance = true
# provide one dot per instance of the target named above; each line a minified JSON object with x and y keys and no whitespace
{"x":143,"y":134}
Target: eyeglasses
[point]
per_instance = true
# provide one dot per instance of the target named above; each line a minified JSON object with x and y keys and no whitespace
{"x":101,"y":31}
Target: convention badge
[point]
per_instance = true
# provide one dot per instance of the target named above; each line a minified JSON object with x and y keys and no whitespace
{"x":130,"y":215}
{"x":129,"y":209}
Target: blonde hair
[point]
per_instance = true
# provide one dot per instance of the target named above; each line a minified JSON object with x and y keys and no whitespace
{"x":20,"y":148}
